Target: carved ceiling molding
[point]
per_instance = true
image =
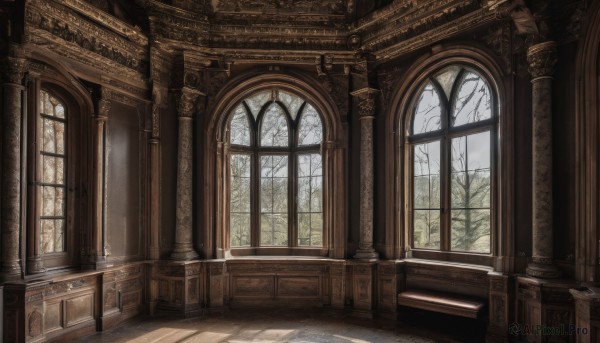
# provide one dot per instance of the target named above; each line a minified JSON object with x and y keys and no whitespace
{"x":137,"y":93}
{"x":179,"y":32}
{"x":160,"y":66}
{"x":420,"y":18}
{"x":468,"y":22}
{"x":62,"y":26}
{"x":254,"y":56}
{"x":271,"y":7}
{"x":107,"y":20}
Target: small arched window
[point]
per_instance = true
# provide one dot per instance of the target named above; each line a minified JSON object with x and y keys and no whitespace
{"x":275,"y":172}
{"x":451,"y":135}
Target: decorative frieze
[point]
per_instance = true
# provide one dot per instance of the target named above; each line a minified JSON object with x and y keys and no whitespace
{"x":60,"y":22}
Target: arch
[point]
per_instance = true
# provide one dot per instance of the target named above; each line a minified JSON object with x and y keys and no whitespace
{"x":241,"y":87}
{"x":53,"y":78}
{"x":587,"y":129}
{"x":214,"y":174}
{"x":398,"y":121}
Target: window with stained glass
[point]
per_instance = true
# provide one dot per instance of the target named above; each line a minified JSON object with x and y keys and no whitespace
{"x":275,"y":172}
{"x":452,"y":132}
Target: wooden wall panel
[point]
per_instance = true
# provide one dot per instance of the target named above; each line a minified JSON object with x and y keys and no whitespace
{"x":253,"y":286}
{"x":79,"y":309}
{"x":299,"y":286}
{"x":123,"y":182}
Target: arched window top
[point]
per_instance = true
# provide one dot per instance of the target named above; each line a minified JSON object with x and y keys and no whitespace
{"x":274,"y":127}
{"x":310,"y":131}
{"x":453,"y":97}
{"x":428,"y":112}
{"x":50,"y":105}
{"x":275,"y":118}
{"x":473,"y":101}
{"x":240,"y":129}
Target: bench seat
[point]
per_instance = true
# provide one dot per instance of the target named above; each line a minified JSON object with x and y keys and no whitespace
{"x":453,"y":304}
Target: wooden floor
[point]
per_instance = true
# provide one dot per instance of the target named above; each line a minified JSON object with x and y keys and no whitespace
{"x":279,"y":326}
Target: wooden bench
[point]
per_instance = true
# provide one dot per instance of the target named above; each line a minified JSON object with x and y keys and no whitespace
{"x":450,"y":288}
{"x":456,"y":305}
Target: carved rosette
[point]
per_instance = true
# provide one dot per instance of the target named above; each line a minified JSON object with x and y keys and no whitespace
{"x":542,"y":59}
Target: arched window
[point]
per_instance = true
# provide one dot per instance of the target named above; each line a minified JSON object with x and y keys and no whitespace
{"x":52,"y":185}
{"x":451,"y":160}
{"x":275,"y":172}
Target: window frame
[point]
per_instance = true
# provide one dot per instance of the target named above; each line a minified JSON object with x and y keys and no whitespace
{"x":256,"y":151}
{"x":37,"y":261}
{"x":445,"y":135}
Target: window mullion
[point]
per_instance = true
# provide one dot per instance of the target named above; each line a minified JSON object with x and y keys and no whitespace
{"x":445,"y":171}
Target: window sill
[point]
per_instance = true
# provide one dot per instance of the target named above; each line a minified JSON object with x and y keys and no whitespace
{"x":279,"y":252}
{"x":454,"y":257}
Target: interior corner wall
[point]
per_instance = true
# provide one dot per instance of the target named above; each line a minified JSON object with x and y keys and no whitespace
{"x":168,"y":146}
{"x":523,"y":177}
{"x":123,"y":182}
{"x":564,"y":142}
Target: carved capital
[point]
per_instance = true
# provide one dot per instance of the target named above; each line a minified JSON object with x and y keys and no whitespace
{"x":103,"y":107}
{"x":542,"y":59}
{"x":366,"y":101}
{"x":186,"y":101}
{"x":14,"y":70}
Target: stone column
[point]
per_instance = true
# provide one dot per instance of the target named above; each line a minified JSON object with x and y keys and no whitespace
{"x":99,"y":250}
{"x":154,"y":185}
{"x":366,"y":105}
{"x":542,"y":58}
{"x":183,"y":211}
{"x":11,"y":165}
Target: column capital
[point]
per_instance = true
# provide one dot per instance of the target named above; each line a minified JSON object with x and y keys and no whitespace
{"x":104,"y":106}
{"x":366,"y":101}
{"x":542,"y":59}
{"x":186,"y":101}
{"x":14,"y":70}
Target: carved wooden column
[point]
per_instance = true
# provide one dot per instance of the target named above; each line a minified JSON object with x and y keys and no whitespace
{"x":542,"y":58}
{"x":11,"y":165}
{"x":154,"y":181}
{"x":34,"y":176}
{"x":366,"y":104}
{"x":99,"y":252}
{"x":183,"y":228}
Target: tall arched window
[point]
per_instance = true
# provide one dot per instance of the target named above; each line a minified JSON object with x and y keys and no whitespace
{"x":452,"y":137}
{"x":52,"y":186}
{"x":275,"y":172}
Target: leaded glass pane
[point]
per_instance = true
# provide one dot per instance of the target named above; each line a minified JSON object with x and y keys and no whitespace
{"x":256,"y":102}
{"x":473,"y":101}
{"x":426,"y":231}
{"x":52,"y":159}
{"x":291,"y":102}
{"x":310,"y":197}
{"x":274,"y":200}
{"x":471,"y":193}
{"x":446,"y":79}
{"x":426,"y":195}
{"x":310,"y":131}
{"x":240,"y":200}
{"x":428,"y":113}
{"x":239,"y":128}
{"x":274,"y":127}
